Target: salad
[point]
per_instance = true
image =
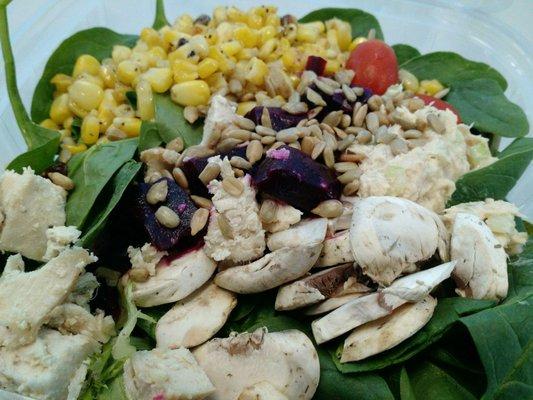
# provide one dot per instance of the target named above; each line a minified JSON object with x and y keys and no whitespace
{"x":250,"y":205}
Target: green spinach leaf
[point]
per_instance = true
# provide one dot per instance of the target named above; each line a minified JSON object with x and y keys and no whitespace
{"x":517,"y":146}
{"x":160,"y":19}
{"x":38,"y":159}
{"x":497,"y":179}
{"x":450,"y":68}
{"x":91,"y":172}
{"x":404,"y":52}
{"x":118,"y":184}
{"x":482,"y":102}
{"x":171,"y":123}
{"x":97,"y":42}
{"x":406,"y":390}
{"x":149,"y":136}
{"x":360,"y":20}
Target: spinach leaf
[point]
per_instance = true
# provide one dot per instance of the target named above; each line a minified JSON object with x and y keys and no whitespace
{"x":76,"y":128}
{"x":91,"y":172}
{"x":42,"y":143}
{"x":496,"y":180}
{"x":160,"y":19}
{"x":118,"y":184}
{"x":149,"y":136}
{"x":131,"y":96}
{"x":517,"y":146}
{"x":447,"y":313}
{"x":360,"y":21}
{"x":404,"y":52}
{"x":481,"y":102}
{"x":97,"y":42}
{"x":171,"y":123}
{"x":450,"y":68}
{"x":406,"y":390}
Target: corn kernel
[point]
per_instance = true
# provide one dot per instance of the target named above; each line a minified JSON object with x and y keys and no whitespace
{"x":224,"y":63}
{"x":184,"y":71}
{"x":49,"y":124}
{"x":76,"y":109}
{"x":120,"y":53}
{"x":170,"y":36}
{"x":207,"y":67}
{"x":408,"y":80}
{"x":356,"y":42}
{"x":216,"y":81}
{"x":75,"y":148}
{"x":59,"y":110}
{"x":244,"y":107}
{"x":185,"y":24}
{"x":150,"y":37}
{"x":105,"y":117}
{"x":272,"y":20}
{"x":233,"y":14}
{"x":155,"y":55}
{"x":160,"y":79}
{"x":307,"y":33}
{"x":266,"y":33}
{"x":332,"y":66}
{"x":268,"y":48}
{"x":430,"y":87}
{"x":288,"y":58}
{"x":231,"y":48}
{"x":220,"y":14}
{"x":199,"y":45}
{"x":254,"y":21}
{"x":248,"y":37}
{"x":193,"y":93}
{"x":129,"y":125}
{"x":127,"y":71}
{"x":61,"y":82}
{"x":90,"y":129}
{"x":107,"y":74}
{"x":246,"y":54}
{"x":86,"y":64}
{"x":145,"y":101}
{"x":257,"y":71}
{"x":343,"y":30}
{"x":67,"y":123}
{"x":85,"y":94}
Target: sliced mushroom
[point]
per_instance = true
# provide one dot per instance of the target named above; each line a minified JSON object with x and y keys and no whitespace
{"x":344,"y":221}
{"x":272,"y":270}
{"x":389,"y":235}
{"x":314,"y":288}
{"x":262,"y":391}
{"x":332,"y":304}
{"x":411,"y":288}
{"x":337,"y":250}
{"x":481,"y":271}
{"x":174,"y":280}
{"x":389,"y":331}
{"x":310,"y":231}
{"x":195,"y":319}
{"x":287,"y":360}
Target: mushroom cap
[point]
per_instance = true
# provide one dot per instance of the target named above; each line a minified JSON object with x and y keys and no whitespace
{"x":389,"y":234}
{"x":195,"y":319}
{"x":175,"y":280}
{"x":337,"y":250}
{"x":384,"y":333}
{"x":481,"y":271}
{"x":262,"y":391}
{"x":287,"y":360}
{"x":309,"y":231}
{"x":331,"y":304}
{"x":314,"y":288}
{"x":272,"y":270}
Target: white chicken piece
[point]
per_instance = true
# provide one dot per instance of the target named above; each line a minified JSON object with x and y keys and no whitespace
{"x":287,"y":360}
{"x":246,"y":241}
{"x":389,"y":235}
{"x":58,"y":239}
{"x":499,"y":216}
{"x":195,"y":319}
{"x":44,"y":369}
{"x":337,"y":250}
{"x":220,"y":115}
{"x":481,"y":271}
{"x":26,"y":299}
{"x":286,"y":216}
{"x":382,"y":334}
{"x":29,"y":205}
{"x":165,"y":374}
{"x":310,"y":231}
{"x":262,"y":391}
{"x":174,"y":280}
{"x":147,"y":257}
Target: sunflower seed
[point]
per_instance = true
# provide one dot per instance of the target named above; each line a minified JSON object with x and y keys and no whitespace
{"x":312,"y":121}
{"x":239,"y":162}
{"x":314,"y":130}
{"x":139,"y":274}
{"x":415,"y":104}
{"x":227,"y":144}
{"x":364,"y":137}
{"x":213,"y":139}
{"x":360,"y":115}
{"x":268,"y":211}
{"x":180,"y":178}
{"x":167,"y":217}
{"x":399,"y":146}
{"x":346,"y":142}
{"x":295,"y":145}
{"x":333,"y":118}
{"x":328,"y":209}
{"x":331,"y":82}
{"x":403,"y":120}
{"x":329,"y":157}
{"x":287,"y":135}
{"x":352,"y":157}
{"x":313,"y":113}
{"x":318,"y":149}
{"x":324,"y":87}
{"x":375,"y":102}
{"x":307,"y":145}
{"x":199,"y":220}
{"x":225,"y":227}
{"x":349,"y":93}
{"x":176,"y":145}
{"x":157,"y":193}
{"x":351,"y":188}
{"x":201,"y":201}
{"x":264,"y":131}
{"x":344,"y":76}
{"x":349,"y":176}
{"x":384,"y":136}
{"x":266,"y":140}
{"x":412,"y":134}
{"x":61,"y":180}
{"x":191,"y":114}
{"x":315,"y":98}
{"x":254,"y":151}
{"x":330,"y":140}
{"x":239,"y":134}
{"x":345,"y":166}
{"x":442,"y":93}
{"x":346,"y":121}
{"x":245,"y":123}
{"x":233,"y":186}
{"x":372,"y":122}
{"x":265,"y":118}
{"x":436,"y":124}
{"x":210,"y":172}
{"x":302,"y":123}
{"x":295,"y":108}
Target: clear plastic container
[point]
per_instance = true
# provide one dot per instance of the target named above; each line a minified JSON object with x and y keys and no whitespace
{"x":469,"y":28}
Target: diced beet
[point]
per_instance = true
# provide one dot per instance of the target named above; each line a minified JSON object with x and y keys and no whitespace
{"x":192,"y":167}
{"x":177,"y":200}
{"x":292,"y":176}
{"x":340,"y":102}
{"x":280,"y":118}
{"x":316,"y":64}
{"x":365,"y":96}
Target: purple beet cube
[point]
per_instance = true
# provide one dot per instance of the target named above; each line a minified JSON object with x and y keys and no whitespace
{"x":289,"y":175}
{"x":177,"y":200}
{"x":279,"y":118}
{"x":316,"y":64}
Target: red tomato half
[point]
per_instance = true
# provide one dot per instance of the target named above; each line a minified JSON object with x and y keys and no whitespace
{"x":375,"y":66}
{"x":439,"y":104}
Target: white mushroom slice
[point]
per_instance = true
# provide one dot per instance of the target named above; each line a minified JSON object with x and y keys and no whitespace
{"x":481,"y":271}
{"x":272,"y":270}
{"x":344,"y":221}
{"x":174,"y":280}
{"x":337,"y":250}
{"x":285,"y":216}
{"x":385,"y":333}
{"x":332,"y":304}
{"x":195,"y":319}
{"x":26,"y":299}
{"x":389,"y":235}
{"x":314,"y":288}
{"x":287,"y":360}
{"x":165,"y":374}
{"x":411,"y":288}
{"x":262,"y":391}
{"x":307,"y":232}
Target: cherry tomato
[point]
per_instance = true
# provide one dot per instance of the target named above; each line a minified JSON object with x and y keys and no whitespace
{"x":375,"y":66}
{"x":439,"y":104}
